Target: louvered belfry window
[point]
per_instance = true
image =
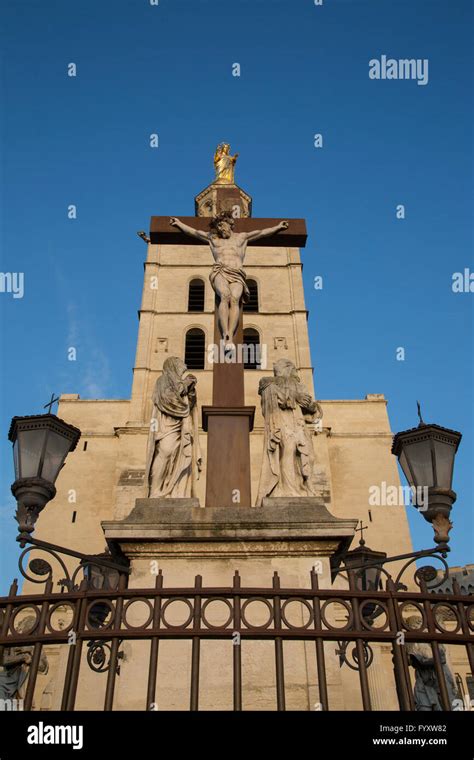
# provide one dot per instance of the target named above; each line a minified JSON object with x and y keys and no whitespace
{"x":252,"y":303}
{"x":252,"y":352}
{"x":194,"y":354}
{"x":196,"y":295}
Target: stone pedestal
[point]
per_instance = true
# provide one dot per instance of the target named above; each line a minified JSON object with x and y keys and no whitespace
{"x":290,"y":536}
{"x":281,"y":527}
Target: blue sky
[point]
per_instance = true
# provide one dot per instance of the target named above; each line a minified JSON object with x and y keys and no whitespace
{"x":167,"y":69}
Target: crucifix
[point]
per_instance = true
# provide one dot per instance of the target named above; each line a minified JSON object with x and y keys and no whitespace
{"x":361,"y":529}
{"x":227,"y":277}
{"x":51,"y":403}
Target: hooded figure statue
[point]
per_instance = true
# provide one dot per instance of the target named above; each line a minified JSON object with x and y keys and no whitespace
{"x":288,"y":466}
{"x":173,"y":460}
{"x":16,"y":664}
{"x":427,"y":693}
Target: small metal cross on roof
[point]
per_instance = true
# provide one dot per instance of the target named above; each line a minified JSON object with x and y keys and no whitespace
{"x":53,"y":401}
{"x":421,"y":424}
{"x":361,"y":529}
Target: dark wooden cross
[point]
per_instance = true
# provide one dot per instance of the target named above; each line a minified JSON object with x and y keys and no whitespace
{"x":51,"y":403}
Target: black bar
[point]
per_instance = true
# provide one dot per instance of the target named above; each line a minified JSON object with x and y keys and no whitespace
{"x":111,"y":675}
{"x":237,"y":649}
{"x":320,"y":660}
{"x":38,"y":647}
{"x":152,"y":671}
{"x":279,"y":667}
{"x":364,"y":683}
{"x":194,"y":702}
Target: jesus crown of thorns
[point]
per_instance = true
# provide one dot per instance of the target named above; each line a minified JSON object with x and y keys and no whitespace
{"x":224,"y":216}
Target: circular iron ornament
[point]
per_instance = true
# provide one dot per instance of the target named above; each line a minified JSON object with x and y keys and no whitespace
{"x":368,"y":656}
{"x":217,"y":599}
{"x":452,"y":609}
{"x":347,"y":606}
{"x":39,"y":566}
{"x":377,"y":603}
{"x":24,"y":608}
{"x":126,"y":608}
{"x":426,"y":573}
{"x":180,"y":625}
{"x":52,"y":610}
{"x":256,"y":599}
{"x":306,"y":604}
{"x":98,"y":656}
{"x":34,"y":565}
{"x":419,"y":608}
{"x":97,"y":602}
{"x":470,"y":620}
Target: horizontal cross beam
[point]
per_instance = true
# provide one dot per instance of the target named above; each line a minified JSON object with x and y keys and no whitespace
{"x":161,"y":232}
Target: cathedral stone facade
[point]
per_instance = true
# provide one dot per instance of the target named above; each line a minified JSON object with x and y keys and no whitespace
{"x":102,"y":496}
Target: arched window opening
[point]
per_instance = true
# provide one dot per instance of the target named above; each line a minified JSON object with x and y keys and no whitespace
{"x":196,"y":295}
{"x":194,"y":349}
{"x":252,"y":304}
{"x":251,"y":349}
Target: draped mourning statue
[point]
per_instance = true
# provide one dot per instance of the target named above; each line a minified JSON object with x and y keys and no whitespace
{"x":288,"y":466}
{"x":427,"y":694}
{"x":173,"y":460}
{"x":16,"y":664}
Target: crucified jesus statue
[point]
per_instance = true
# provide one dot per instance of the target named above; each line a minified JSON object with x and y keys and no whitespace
{"x":227,"y":277}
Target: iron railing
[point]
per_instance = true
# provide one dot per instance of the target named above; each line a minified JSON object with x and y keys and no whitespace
{"x":101,"y":621}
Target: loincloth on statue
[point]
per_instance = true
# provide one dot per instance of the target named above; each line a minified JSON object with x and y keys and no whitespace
{"x":231,"y":275}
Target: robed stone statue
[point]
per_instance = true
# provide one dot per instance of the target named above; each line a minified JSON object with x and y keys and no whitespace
{"x":15,"y":669}
{"x":288,"y":465}
{"x":427,"y":692}
{"x":173,"y":460}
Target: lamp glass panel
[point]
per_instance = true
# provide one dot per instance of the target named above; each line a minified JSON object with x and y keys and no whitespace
{"x":404,"y":465}
{"x":372,"y":575}
{"x":30,"y":446}
{"x":419,"y":457}
{"x":444,"y":453}
{"x":57,"y":448}
{"x":16,"y":459}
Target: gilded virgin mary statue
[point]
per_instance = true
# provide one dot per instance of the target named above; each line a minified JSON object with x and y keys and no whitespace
{"x":224,"y":164}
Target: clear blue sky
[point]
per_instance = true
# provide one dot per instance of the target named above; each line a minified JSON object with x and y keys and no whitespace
{"x":304,"y":70}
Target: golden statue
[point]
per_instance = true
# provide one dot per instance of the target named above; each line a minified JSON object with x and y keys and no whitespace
{"x":224,"y":165}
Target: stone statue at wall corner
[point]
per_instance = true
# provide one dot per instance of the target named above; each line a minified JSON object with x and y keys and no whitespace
{"x":15,"y":667}
{"x":426,"y":692}
{"x":289,"y":412}
{"x":173,"y":459}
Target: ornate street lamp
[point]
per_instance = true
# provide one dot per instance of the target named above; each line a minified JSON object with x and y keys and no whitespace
{"x":41,"y":443}
{"x":366,"y":565}
{"x":426,"y":455}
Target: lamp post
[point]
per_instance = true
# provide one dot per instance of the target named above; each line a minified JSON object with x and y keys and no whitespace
{"x":426,"y":455}
{"x":41,"y":443}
